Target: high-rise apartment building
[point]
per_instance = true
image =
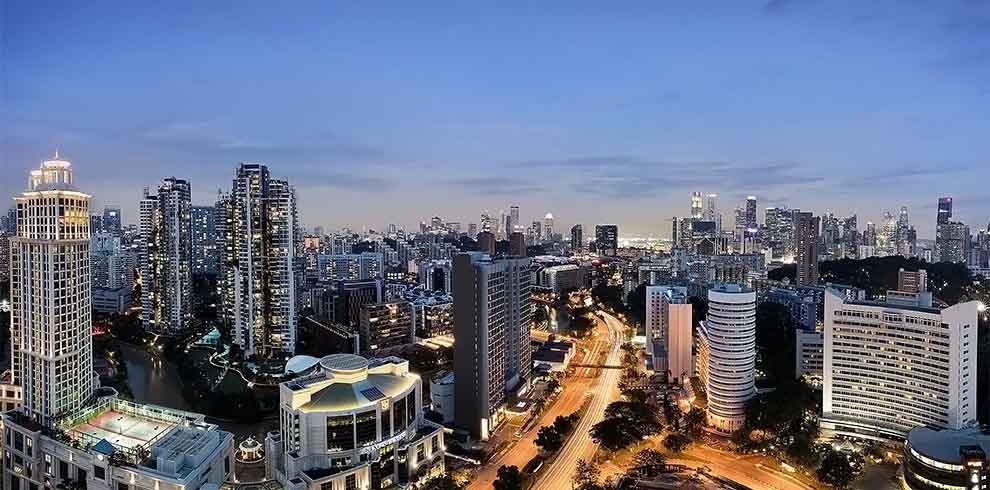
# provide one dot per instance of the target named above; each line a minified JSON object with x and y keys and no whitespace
{"x":486,"y":242}
{"x":165,"y":258}
{"x":384,"y":325}
{"x":892,"y":367}
{"x":205,"y":255}
{"x":350,"y":267}
{"x":517,"y":244}
{"x":514,"y":224}
{"x":726,"y":361}
{"x":669,"y":331}
{"x":260,"y":267}
{"x":52,"y":353}
{"x":607,"y":240}
{"x":806,"y":247}
{"x":577,"y":238}
{"x":780,"y":231}
{"x":111,"y":264}
{"x":492,"y":317}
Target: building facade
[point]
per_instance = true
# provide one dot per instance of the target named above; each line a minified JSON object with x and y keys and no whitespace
{"x":353,"y":423}
{"x":607,"y":240}
{"x":260,"y":270}
{"x":166,"y":258}
{"x":492,"y":314}
{"x":205,"y":255}
{"x":669,"y":331}
{"x":384,"y":325}
{"x":892,"y":367}
{"x":726,"y":360}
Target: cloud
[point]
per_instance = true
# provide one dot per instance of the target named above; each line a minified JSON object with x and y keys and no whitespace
{"x":622,"y":176}
{"x":215,"y":139}
{"x":342,"y":180}
{"x":497,"y":186}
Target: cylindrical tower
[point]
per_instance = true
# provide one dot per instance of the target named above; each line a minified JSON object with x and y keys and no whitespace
{"x":727,"y":354}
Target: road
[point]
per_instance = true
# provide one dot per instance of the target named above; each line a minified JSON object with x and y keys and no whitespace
{"x":751,"y":470}
{"x":580,"y":445}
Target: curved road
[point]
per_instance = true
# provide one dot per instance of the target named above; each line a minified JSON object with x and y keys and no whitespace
{"x":580,"y":445}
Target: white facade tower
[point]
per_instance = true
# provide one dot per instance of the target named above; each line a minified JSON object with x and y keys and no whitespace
{"x":166,"y":258}
{"x":727,"y":355}
{"x":51,"y":323}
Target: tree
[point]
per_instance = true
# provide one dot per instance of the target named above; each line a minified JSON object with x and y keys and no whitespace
{"x":509,"y":478}
{"x":694,"y":423}
{"x":650,"y":463}
{"x":587,"y":475}
{"x":610,"y":434}
{"x":441,"y":482}
{"x":553,"y":385}
{"x":564,"y":424}
{"x":676,"y":442}
{"x":836,"y":470}
{"x":549,"y":439}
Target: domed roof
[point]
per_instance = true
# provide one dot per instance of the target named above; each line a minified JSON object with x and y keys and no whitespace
{"x":300,"y":363}
{"x":548,"y":216}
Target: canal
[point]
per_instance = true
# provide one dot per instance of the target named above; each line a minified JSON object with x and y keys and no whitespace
{"x":156,"y":381}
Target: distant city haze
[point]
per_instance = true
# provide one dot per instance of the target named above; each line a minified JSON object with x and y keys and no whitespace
{"x":598,"y":113}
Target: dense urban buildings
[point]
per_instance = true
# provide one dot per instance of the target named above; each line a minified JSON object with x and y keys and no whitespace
{"x":384,"y":325}
{"x":577,"y":239}
{"x":353,"y":423}
{"x":166,"y":258}
{"x":492,"y":319}
{"x":890,"y":367}
{"x":260,"y":267}
{"x":726,"y":359}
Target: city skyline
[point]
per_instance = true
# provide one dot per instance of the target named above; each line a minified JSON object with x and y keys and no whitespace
{"x":828,"y":118}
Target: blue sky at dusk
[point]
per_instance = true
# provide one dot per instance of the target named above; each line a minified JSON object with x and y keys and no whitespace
{"x":594,"y":111}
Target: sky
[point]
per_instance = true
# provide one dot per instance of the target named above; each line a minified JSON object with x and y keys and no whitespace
{"x":393,"y":112}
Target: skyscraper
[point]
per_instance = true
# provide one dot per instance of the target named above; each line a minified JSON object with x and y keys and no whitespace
{"x":780,"y":230}
{"x":607,"y":240}
{"x":165,"y":258}
{"x":492,"y":319}
{"x":513,"y":218}
{"x":944,"y":210}
{"x":577,"y":238}
{"x":806,"y":242}
{"x":548,"y":227}
{"x":112,"y":222}
{"x":260,"y":267}
{"x":697,"y":206}
{"x":951,"y":237}
{"x":204,"y":240}
{"x":51,"y":323}
{"x":517,"y":244}
{"x":486,"y":242}
{"x":751,"y":222}
{"x":726,"y":360}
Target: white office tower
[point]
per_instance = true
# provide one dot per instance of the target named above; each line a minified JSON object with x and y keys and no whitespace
{"x":727,"y":355}
{"x":492,"y":321}
{"x":350,"y":423}
{"x":260,"y":268}
{"x":166,"y":258}
{"x":51,"y":322}
{"x":892,"y":367}
{"x":669,"y":332}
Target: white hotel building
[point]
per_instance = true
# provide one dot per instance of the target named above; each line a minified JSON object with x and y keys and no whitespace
{"x":727,"y":355}
{"x":892,"y":367}
{"x":349,"y":423}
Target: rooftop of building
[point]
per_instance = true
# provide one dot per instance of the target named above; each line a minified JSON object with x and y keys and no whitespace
{"x":347,"y":381}
{"x":945,"y":445}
